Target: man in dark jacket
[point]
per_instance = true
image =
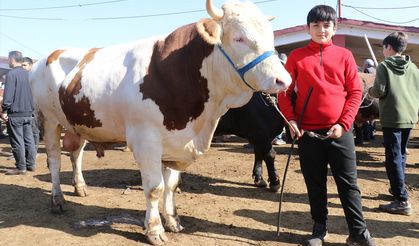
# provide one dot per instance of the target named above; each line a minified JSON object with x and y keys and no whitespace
{"x":17,"y":111}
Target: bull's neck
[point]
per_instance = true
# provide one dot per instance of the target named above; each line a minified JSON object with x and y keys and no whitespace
{"x":226,"y":90}
{"x":215,"y":108}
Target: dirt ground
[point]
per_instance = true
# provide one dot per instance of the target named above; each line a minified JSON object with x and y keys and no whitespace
{"x":218,"y":204}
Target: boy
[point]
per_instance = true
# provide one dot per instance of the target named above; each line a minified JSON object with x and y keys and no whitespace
{"x":397,"y":87}
{"x":332,"y":73}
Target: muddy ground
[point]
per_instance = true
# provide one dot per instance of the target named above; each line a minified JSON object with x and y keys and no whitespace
{"x":218,"y":204}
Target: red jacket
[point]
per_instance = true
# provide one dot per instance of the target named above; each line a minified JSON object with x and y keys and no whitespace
{"x":332,"y":72}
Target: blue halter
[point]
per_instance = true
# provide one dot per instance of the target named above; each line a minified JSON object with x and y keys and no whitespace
{"x":247,"y":67}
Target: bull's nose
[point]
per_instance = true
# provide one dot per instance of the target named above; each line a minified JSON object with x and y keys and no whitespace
{"x":281,"y":83}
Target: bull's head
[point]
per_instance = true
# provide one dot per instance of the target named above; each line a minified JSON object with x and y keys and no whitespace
{"x":244,"y":36}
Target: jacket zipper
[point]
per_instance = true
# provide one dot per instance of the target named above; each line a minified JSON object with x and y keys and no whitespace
{"x":321,"y":55}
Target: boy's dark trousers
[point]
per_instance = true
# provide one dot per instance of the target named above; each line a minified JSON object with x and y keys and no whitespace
{"x":395,"y":143}
{"x":21,"y":141}
{"x":315,"y":154}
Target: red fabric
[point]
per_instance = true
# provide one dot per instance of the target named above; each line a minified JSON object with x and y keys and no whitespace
{"x":332,"y":72}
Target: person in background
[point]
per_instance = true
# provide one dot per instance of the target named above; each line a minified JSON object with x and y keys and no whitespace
{"x":279,"y":140}
{"x":283,"y":58}
{"x":368,"y":66}
{"x":17,"y":112}
{"x":397,"y":88}
{"x":3,"y":129}
{"x":324,"y":134}
{"x":27,"y":65}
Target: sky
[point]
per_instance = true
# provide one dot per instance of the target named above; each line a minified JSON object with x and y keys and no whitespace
{"x":38,"y":27}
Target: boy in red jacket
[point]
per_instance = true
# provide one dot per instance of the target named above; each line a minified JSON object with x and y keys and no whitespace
{"x":324,"y":135}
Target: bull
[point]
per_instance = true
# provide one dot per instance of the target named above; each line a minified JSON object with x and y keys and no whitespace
{"x":162,"y":96}
{"x":368,"y":110}
{"x":259,"y":122}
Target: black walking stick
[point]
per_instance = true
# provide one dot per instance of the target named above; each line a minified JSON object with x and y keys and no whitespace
{"x":289,"y":158}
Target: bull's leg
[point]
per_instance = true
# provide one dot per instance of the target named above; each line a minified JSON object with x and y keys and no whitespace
{"x":274,"y":183}
{"x":359,"y":135}
{"x":146,"y":147}
{"x":76,"y":157}
{"x":258,"y":170}
{"x":52,"y":144}
{"x":171,"y":181}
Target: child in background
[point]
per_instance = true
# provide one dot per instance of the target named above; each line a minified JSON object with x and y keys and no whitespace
{"x":397,"y":87}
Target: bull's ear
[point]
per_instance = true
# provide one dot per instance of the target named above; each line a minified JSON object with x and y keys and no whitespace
{"x":270,"y":18}
{"x":209,"y":30}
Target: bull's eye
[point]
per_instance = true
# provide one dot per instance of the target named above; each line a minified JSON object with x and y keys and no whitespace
{"x":239,"y":39}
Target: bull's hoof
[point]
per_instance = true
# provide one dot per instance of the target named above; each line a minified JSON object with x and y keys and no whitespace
{"x":156,"y":238}
{"x":259,"y":182}
{"x":57,"y":203}
{"x":174,"y":228}
{"x":173,"y":224}
{"x":80,"y":190}
{"x":274,"y":185}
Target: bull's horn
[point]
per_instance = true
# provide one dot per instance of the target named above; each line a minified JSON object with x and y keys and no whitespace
{"x":214,"y":12}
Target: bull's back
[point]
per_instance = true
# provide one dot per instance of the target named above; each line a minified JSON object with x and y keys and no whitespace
{"x":90,"y":91}
{"x":257,"y":121}
{"x":369,"y":109}
{"x":46,"y":77}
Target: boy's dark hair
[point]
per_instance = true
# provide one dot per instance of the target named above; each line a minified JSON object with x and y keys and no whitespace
{"x":397,"y":41}
{"x":321,"y":13}
{"x":28,"y":60}
{"x":16,"y":55}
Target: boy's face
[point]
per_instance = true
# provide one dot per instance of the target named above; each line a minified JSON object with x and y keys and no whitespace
{"x":322,"y":31}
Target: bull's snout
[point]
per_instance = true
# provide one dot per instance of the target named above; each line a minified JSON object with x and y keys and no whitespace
{"x":278,"y":86}
{"x":282,"y":84}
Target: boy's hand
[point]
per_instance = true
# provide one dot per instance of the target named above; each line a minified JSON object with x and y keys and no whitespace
{"x":295,"y":132}
{"x":336,"y":131}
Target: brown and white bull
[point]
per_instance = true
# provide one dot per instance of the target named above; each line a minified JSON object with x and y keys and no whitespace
{"x":368,"y":110}
{"x":163,"y":96}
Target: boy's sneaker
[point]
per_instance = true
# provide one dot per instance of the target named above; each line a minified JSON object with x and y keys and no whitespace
{"x":318,"y":235}
{"x":397,"y":207}
{"x":278,"y":141}
{"x":364,"y":239}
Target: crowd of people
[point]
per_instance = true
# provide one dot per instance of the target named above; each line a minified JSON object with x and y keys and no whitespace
{"x":322,"y":126}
